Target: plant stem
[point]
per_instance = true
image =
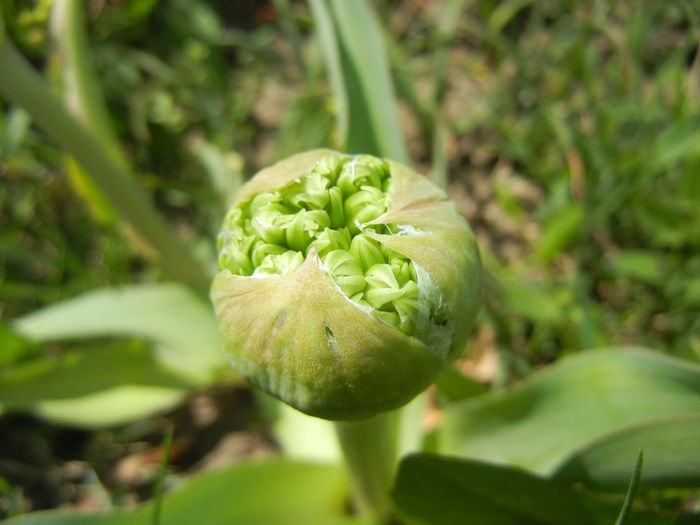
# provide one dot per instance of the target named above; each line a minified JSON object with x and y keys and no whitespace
{"x":21,"y":85}
{"x":370,"y":448}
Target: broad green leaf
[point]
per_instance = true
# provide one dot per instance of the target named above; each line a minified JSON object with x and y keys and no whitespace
{"x":101,"y":387}
{"x":356,"y":59}
{"x":554,"y":413}
{"x":177,"y":320}
{"x":671,"y":448}
{"x":271,"y":492}
{"x":438,"y":490}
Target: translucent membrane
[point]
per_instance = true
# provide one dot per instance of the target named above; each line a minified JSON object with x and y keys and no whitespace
{"x":327,"y":210}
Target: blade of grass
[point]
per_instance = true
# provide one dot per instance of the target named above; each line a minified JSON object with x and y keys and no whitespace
{"x":631,"y":490}
{"x":160,"y":482}
{"x":21,"y":85}
{"x":356,"y":59}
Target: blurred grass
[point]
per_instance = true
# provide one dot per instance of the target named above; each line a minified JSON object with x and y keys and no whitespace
{"x":568,"y":132}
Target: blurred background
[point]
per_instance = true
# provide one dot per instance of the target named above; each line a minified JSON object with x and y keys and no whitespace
{"x":568,"y":132}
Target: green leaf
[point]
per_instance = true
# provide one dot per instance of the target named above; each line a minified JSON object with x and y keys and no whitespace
{"x":13,"y":347}
{"x":554,"y":413}
{"x":454,"y":386}
{"x":16,"y":125}
{"x":356,"y":59}
{"x":638,"y":264}
{"x":439,"y":490}
{"x":300,"y":436}
{"x":531,"y":301}
{"x":101,"y":387}
{"x":177,"y":320}
{"x":271,"y":492}
{"x":560,"y":232}
{"x":671,"y":458}
{"x":119,"y":381}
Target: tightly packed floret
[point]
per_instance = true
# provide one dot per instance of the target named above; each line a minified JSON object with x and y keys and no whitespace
{"x":327,"y":211}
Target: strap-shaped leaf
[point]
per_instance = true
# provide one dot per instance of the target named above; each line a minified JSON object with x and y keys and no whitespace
{"x":356,"y":59}
{"x":541,"y":422}
{"x":96,"y":388}
{"x":255,"y":493}
{"x":451,"y":491}
{"x":177,"y":320}
{"x":671,"y":448}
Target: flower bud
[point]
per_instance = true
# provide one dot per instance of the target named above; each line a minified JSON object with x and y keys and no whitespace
{"x":346,"y":285}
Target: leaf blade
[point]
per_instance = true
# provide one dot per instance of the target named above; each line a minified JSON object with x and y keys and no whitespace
{"x":539,"y":423}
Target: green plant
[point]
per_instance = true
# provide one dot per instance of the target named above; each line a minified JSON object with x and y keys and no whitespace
{"x":347,"y":284}
{"x":555,"y":446}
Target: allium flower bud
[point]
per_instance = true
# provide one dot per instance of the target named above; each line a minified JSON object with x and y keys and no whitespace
{"x":346,"y":284}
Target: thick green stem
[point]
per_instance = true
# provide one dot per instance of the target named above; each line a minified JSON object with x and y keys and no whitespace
{"x":21,"y":85}
{"x":370,"y":450}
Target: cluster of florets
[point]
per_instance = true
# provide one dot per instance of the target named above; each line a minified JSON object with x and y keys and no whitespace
{"x":328,"y":211}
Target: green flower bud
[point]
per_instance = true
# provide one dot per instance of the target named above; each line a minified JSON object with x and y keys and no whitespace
{"x":346,"y":283}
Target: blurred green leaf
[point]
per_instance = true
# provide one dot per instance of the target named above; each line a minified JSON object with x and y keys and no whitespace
{"x":560,"y":232}
{"x":176,"y":319}
{"x":300,"y":436}
{"x":14,"y":130}
{"x":356,"y":59}
{"x":103,"y":387}
{"x":271,"y":492}
{"x":224,"y":169}
{"x":504,"y":13}
{"x":640,"y":265}
{"x":675,"y":143}
{"x":671,"y":447}
{"x":13,"y":346}
{"x":139,"y":8}
{"x":530,"y":301}
{"x":440,"y":490}
{"x":454,"y":386}
{"x":692,"y":291}
{"x":556,"y":412}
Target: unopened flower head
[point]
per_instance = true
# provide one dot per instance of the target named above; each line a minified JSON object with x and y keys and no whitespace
{"x":346,"y":283}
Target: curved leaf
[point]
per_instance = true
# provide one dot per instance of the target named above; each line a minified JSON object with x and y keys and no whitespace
{"x":671,"y":448}
{"x":541,"y":422}
{"x":445,"y":491}
{"x":256,"y":493}
{"x":180,"y":323}
{"x":95,"y":388}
